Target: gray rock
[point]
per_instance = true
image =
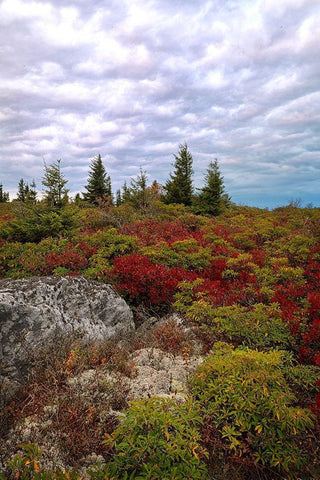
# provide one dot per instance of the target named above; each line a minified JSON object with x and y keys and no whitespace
{"x":36,"y":310}
{"x":161,"y":374}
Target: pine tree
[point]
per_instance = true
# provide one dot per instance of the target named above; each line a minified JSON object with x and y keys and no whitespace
{"x":4,"y":196}
{"x":77,"y":199}
{"x":119,"y":200}
{"x":99,"y":183}
{"x":126,"y":195}
{"x":22,"y":190}
{"x":31,"y":194}
{"x":212,"y":198}
{"x":54,"y":181}
{"x":138,"y":190}
{"x":179,"y":188}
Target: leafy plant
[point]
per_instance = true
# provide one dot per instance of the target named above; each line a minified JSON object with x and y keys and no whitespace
{"x":245,"y":397}
{"x":27,"y":466}
{"x":157,"y":439}
{"x":143,"y":281}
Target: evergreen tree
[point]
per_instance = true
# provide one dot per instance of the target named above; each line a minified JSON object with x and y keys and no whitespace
{"x":22,"y":190}
{"x":99,"y":183}
{"x":4,"y":196}
{"x":31,"y":194}
{"x":138,"y":190}
{"x":118,"y":198}
{"x":126,"y":195}
{"x":179,"y":188}
{"x":54,"y":181}
{"x":212,"y":198}
{"x":77,"y":199}
{"x":26,"y":193}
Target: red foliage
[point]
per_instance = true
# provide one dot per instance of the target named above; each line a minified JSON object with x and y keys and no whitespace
{"x":214,"y":271}
{"x":6,"y":218}
{"x":258,"y":257}
{"x":69,"y":259}
{"x":151,"y":232}
{"x":87,"y":250}
{"x":171,"y":337}
{"x":143,"y":281}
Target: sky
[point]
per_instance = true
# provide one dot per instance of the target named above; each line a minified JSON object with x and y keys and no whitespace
{"x":133,"y":79}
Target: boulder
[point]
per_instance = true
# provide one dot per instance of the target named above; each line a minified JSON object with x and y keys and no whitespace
{"x":37,"y":310}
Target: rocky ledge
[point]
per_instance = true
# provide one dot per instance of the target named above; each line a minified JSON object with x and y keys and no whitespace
{"x":36,"y":310}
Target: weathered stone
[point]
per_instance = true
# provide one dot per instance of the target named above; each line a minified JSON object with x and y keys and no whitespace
{"x":161,"y":374}
{"x":36,"y":310}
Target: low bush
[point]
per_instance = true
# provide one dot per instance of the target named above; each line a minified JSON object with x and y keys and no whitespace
{"x":27,"y":466}
{"x":157,"y":439}
{"x":142,"y":281}
{"x":245,"y":398}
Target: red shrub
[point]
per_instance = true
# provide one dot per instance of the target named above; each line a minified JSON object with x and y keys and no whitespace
{"x":151,"y":232}
{"x":143,"y":281}
{"x":68,"y":259}
{"x":171,"y":337}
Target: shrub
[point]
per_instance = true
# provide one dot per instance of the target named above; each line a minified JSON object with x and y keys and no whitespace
{"x":172,"y":338}
{"x":27,"y":466}
{"x":151,"y":232}
{"x":108,"y":244}
{"x":33,"y":223}
{"x":79,"y":412}
{"x":259,"y":325}
{"x":157,"y":439}
{"x":185,"y":253}
{"x":141,"y":281}
{"x":245,"y":397}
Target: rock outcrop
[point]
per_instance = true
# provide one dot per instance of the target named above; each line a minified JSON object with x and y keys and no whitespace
{"x":161,"y":374}
{"x":37,"y":310}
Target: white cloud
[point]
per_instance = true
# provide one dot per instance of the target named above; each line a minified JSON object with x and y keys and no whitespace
{"x":237,"y":80}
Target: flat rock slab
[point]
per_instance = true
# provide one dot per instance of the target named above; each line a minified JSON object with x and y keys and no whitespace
{"x":35,"y":310}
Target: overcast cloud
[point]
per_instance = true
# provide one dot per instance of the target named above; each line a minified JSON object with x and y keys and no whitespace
{"x":132,"y":79}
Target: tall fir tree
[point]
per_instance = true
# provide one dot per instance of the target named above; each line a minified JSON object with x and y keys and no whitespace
{"x":212,"y":198}
{"x":119,"y":200}
{"x":179,"y":188}
{"x":56,"y":193}
{"x":126,"y":195}
{"x":138,"y":190}
{"x":99,"y":183}
{"x":22,"y":190}
{"x":31,"y":195}
{"x":4,"y":196}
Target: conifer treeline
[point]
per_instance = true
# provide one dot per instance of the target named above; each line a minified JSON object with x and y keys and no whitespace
{"x":210,"y":199}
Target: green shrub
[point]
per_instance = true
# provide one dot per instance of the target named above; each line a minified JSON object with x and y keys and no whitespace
{"x":112,"y":243}
{"x":26,"y":466}
{"x":158,"y":439}
{"x":259,"y":326}
{"x":34,"y":223}
{"x":109,"y":245}
{"x":183,"y":253}
{"x":244,"y":396}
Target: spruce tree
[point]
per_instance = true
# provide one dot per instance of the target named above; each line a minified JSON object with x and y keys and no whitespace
{"x":119,"y":200}
{"x":126,"y":195}
{"x":54,"y":181}
{"x":99,"y":183}
{"x":179,"y":188}
{"x":22,"y":190}
{"x":212,"y":198}
{"x":26,"y":193}
{"x":4,"y":196}
{"x":31,"y":195}
{"x":138,"y":190}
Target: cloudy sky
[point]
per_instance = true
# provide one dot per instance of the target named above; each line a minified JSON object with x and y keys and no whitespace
{"x":133,"y":79}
